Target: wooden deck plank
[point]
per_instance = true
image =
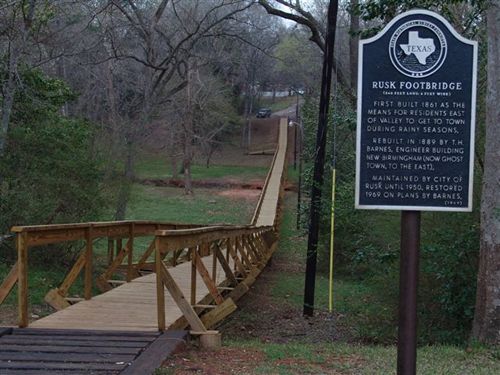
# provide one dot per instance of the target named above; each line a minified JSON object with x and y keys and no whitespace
{"x":56,"y":357}
{"x":81,"y":332}
{"x":55,"y":372}
{"x":67,"y":349}
{"x":16,"y":340}
{"x":25,"y":365}
{"x":131,"y":306}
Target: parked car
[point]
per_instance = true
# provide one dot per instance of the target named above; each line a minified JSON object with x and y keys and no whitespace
{"x":263,"y":113}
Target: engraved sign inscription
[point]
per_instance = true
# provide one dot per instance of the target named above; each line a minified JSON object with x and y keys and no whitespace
{"x":416,"y":114}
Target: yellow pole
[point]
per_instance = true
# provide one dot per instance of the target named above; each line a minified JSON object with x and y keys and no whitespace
{"x":332,"y":237}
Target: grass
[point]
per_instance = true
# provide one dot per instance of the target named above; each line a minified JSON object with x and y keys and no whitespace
{"x":149,"y":203}
{"x":364,"y":311}
{"x":344,"y":358}
{"x":171,"y":205}
{"x":146,"y":203}
{"x":150,"y":166}
{"x":41,"y":279}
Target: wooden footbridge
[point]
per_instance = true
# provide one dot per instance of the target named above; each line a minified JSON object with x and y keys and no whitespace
{"x":185,"y":276}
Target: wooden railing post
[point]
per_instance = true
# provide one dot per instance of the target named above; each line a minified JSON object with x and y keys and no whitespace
{"x":214,"y":266}
{"x":119,"y":246}
{"x":130,"y":257}
{"x":160,"y":296}
{"x":111,"y":250}
{"x":22,"y":282}
{"x":88,"y":263}
{"x":8,"y":283}
{"x":194,"y":254}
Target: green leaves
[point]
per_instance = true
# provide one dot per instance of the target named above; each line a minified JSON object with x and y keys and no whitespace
{"x":465,"y":16}
{"x":49,"y":171}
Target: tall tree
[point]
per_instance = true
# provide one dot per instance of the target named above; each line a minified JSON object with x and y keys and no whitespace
{"x":353,"y":44}
{"x":486,"y":326}
{"x":18,"y":18}
{"x":295,"y":11}
{"x":163,"y":37}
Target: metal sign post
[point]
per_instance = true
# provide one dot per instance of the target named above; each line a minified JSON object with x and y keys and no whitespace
{"x":415,"y":137}
{"x":408,"y":282}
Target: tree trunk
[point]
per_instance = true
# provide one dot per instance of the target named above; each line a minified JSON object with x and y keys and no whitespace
{"x":124,"y":193}
{"x":8,"y":95}
{"x":486,"y":326}
{"x":172,"y":146}
{"x":353,"y":46}
{"x":14,"y":56}
{"x":188,"y":137}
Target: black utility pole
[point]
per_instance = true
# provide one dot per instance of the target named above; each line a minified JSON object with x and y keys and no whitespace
{"x":319,"y":161}
{"x":299,"y":193}
{"x":295,"y":144}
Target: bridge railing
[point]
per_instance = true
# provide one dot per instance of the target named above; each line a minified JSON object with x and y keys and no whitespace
{"x":281,"y":150}
{"x":246,"y":248}
{"x":238,"y":253}
{"x":120,"y":260}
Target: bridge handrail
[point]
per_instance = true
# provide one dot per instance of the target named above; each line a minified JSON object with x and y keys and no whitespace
{"x":269,"y":174}
{"x":248,"y":248}
{"x":264,"y":187}
{"x":38,"y":235}
{"x":187,"y":235}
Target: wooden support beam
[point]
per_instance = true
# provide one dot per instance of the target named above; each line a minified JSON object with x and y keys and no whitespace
{"x":130,"y":256}
{"x":231,"y":245}
{"x":22,"y":283}
{"x":182,"y":323}
{"x":88,"y":263}
{"x":56,"y":300}
{"x":200,"y":306}
{"x":259,"y":244}
{"x":160,"y":296}
{"x":144,"y":258}
{"x":180,"y":300}
{"x":9,"y":282}
{"x":101,"y":281}
{"x":119,"y":246}
{"x":263,"y":246}
{"x":72,"y":275}
{"x":214,"y":264}
{"x":221,"y":311}
{"x":244,"y":256}
{"x":251,"y":249}
{"x":239,"y":291}
{"x":211,"y":286}
{"x":252,"y":257}
{"x":111,"y":252}
{"x":194,"y":255}
{"x":225,"y":266}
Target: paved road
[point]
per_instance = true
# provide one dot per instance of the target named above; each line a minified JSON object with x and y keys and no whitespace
{"x":288,"y":112}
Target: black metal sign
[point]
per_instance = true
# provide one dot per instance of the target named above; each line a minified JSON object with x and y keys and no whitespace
{"x":416,"y":114}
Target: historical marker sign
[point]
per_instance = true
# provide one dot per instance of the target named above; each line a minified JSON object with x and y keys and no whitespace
{"x":416,"y":114}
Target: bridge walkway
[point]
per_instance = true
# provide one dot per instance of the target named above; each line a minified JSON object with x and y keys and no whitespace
{"x":188,"y":276}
